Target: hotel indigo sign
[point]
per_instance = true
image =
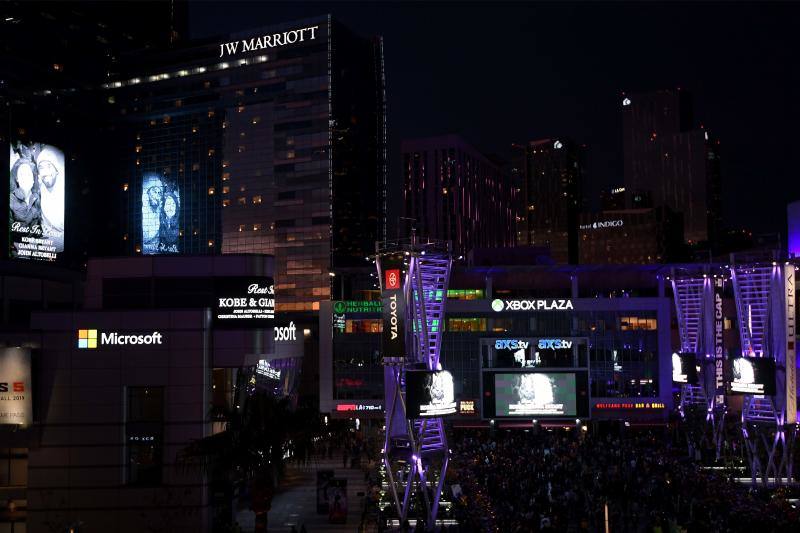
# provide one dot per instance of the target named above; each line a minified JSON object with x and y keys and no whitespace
{"x":272,"y":40}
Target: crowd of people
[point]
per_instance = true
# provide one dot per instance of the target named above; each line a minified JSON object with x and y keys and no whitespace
{"x":556,"y":480}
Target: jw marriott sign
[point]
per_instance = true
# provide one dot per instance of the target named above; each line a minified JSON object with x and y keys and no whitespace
{"x":272,"y":40}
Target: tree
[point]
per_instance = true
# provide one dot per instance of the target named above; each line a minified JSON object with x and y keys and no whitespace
{"x":261,"y":432}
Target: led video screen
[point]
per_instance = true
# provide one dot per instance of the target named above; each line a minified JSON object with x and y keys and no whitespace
{"x":535,"y":394}
{"x":161,"y":210}
{"x":36,"y":201}
{"x":684,"y":368}
{"x":429,"y":394}
{"x":750,"y":375}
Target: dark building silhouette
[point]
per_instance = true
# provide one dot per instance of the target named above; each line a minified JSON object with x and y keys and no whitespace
{"x":631,"y":236}
{"x":454,"y":192}
{"x":253,"y":145}
{"x":548,"y":174}
{"x":612,"y":199}
{"x":666,"y":154}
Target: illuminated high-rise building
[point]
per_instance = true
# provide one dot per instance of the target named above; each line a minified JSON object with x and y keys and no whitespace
{"x":454,"y":192}
{"x":549,"y":178}
{"x":678,"y":162}
{"x":268,"y":141}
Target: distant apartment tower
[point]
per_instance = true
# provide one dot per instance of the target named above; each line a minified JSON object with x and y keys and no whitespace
{"x":666,"y":154}
{"x":254,"y":143}
{"x":454,"y":192}
{"x":548,"y":176}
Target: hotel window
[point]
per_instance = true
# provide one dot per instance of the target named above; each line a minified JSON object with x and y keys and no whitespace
{"x":257,"y":199}
{"x":226,"y":203}
{"x":364,"y":325}
{"x":632,"y":323}
{"x":144,"y":429}
{"x":466,"y":324}
{"x":226,"y":189}
{"x":500,"y":325}
{"x":242,"y":200}
{"x":465,"y":294}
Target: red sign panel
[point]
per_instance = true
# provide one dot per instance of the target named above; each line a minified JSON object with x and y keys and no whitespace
{"x":392,"y":279}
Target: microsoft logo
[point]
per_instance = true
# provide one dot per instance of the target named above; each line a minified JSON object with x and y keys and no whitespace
{"x":87,"y":339}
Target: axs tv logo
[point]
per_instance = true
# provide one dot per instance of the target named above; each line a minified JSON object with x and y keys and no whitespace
{"x":17,"y":386}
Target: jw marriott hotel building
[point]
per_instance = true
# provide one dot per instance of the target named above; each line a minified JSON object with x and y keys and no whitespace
{"x":268,"y":141}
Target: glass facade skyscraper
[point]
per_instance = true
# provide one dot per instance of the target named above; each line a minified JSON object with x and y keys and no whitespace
{"x":278,"y":147}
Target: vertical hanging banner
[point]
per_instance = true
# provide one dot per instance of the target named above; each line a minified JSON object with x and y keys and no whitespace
{"x":393,"y":342}
{"x":791,"y":348}
{"x":16,"y":406}
{"x":719,"y":343}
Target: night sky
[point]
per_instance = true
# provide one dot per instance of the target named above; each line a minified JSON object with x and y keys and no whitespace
{"x":500,"y":73}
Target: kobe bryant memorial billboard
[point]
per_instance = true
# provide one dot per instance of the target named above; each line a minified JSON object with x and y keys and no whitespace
{"x":16,"y":406}
{"x":244,"y":302}
{"x":429,"y":393}
{"x":394,"y":306}
{"x":161,"y":215}
{"x":36,"y":201}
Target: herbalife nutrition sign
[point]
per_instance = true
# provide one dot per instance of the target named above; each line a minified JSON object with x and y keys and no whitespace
{"x":272,"y":40}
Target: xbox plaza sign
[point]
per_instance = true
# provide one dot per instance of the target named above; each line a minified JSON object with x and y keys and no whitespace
{"x":499,"y":305}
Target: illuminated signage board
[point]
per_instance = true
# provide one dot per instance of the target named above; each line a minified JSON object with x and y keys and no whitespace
{"x":90,"y":339}
{"x":265,"y":369}
{"x":161,"y":215}
{"x":429,"y":393}
{"x":16,"y":405}
{"x":272,"y":40}
{"x":535,"y":393}
{"x":791,"y":348}
{"x":499,"y":305}
{"x":719,"y":344}
{"x":603,"y":224}
{"x":36,"y":201}
{"x":244,"y":302}
{"x":393,"y":342}
{"x":286,"y":333}
{"x":358,"y":407}
{"x":635,"y":406}
{"x":467,"y":407}
{"x":554,"y":344}
{"x":357,"y":306}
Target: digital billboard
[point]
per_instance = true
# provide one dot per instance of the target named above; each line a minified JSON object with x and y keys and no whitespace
{"x":161,"y":209}
{"x":244,"y":302}
{"x":535,"y":394}
{"x":751,"y":375}
{"x":36,"y":201}
{"x":429,"y":394}
{"x":16,"y":406}
{"x":684,"y":368}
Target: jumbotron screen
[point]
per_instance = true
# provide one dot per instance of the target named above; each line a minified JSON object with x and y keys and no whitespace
{"x":684,"y":368}
{"x":429,"y":394}
{"x":535,"y":394}
{"x":751,"y":375}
